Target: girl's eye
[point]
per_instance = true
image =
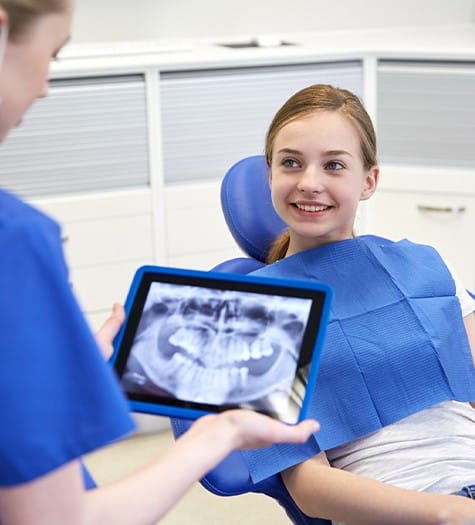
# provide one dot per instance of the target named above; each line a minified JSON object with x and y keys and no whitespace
{"x":334,"y":165}
{"x":290,"y":163}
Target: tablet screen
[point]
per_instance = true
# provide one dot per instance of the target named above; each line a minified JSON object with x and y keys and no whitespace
{"x":205,"y":342}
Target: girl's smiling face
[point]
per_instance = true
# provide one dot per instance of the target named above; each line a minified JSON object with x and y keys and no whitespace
{"x":317,"y":179}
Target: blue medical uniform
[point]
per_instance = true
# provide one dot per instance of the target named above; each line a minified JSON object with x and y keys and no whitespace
{"x":396,"y":343}
{"x":59,"y":399}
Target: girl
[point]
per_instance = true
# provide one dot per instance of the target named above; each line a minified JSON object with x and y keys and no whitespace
{"x":397,"y":374}
{"x":59,"y":398}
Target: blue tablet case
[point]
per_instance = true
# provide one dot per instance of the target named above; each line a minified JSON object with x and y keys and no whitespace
{"x":197,"y":342}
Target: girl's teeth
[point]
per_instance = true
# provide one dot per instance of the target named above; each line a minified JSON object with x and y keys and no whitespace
{"x":308,"y":207}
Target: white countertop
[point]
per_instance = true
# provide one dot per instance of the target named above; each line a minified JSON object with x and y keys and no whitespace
{"x":435,"y":43}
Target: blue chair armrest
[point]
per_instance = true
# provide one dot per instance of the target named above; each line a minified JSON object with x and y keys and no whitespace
{"x":242,"y":265}
{"x":231,"y":478}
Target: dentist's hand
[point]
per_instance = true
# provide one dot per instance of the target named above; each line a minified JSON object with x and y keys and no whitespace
{"x":106,"y":333}
{"x":246,"y":429}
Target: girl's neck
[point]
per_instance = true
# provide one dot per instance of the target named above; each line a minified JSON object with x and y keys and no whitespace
{"x":295,"y":248}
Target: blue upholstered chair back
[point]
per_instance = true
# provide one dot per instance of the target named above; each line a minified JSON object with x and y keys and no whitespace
{"x":248,"y":209}
{"x":250,"y":216}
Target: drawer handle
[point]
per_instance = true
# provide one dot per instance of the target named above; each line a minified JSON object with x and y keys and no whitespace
{"x":441,"y":209}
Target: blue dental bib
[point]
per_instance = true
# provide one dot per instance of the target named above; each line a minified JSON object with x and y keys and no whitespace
{"x":396,"y":343}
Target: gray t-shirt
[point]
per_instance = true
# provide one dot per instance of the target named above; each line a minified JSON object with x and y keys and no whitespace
{"x":432,"y":450}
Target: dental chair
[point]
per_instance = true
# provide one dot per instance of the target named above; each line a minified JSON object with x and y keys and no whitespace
{"x":250,"y":216}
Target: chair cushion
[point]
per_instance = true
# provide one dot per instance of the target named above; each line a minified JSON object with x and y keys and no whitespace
{"x":247,"y":207}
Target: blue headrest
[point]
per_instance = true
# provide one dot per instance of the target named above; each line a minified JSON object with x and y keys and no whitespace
{"x":247,"y":206}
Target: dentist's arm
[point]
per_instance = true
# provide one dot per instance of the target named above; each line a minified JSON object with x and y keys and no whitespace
{"x":146,"y":496}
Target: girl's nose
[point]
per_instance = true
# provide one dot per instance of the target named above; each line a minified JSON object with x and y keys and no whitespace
{"x":311,"y":180}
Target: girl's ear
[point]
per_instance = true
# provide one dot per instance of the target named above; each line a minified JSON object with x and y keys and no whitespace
{"x":270,"y":176}
{"x":371,"y":183}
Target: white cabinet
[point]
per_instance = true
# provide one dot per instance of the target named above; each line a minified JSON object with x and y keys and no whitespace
{"x":131,"y":164}
{"x":435,"y":207}
{"x":426,"y":133}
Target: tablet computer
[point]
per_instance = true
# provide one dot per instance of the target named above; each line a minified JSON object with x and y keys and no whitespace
{"x":196,"y":342}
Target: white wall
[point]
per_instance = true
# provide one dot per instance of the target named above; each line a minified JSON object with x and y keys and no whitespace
{"x":98,"y":20}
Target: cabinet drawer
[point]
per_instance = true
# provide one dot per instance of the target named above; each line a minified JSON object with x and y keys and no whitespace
{"x":102,"y":241}
{"x":107,"y":237}
{"x":446,"y":222}
{"x":99,"y":287}
{"x":103,"y":228}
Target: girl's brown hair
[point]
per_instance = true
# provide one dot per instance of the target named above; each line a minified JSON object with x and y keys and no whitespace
{"x":22,"y":13}
{"x":320,"y":97}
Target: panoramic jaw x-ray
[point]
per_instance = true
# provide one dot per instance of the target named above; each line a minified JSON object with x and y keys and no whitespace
{"x":217,"y":346}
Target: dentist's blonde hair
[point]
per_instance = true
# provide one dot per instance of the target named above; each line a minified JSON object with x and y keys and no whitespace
{"x":22,"y":13}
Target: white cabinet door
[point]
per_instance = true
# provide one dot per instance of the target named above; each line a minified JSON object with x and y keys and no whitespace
{"x":444,"y":221}
{"x":197,"y":235}
{"x":426,"y":113}
{"x":107,"y":236}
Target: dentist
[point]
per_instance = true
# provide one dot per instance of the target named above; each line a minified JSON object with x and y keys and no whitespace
{"x":59,"y":398}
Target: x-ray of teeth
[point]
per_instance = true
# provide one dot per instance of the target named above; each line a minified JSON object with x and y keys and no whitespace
{"x":217,"y":346}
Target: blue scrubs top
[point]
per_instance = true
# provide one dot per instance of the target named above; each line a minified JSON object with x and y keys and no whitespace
{"x":59,"y":399}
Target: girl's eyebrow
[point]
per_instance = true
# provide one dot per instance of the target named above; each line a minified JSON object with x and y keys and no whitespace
{"x":329,"y":153}
{"x":337,"y":152}
{"x":289,"y":151}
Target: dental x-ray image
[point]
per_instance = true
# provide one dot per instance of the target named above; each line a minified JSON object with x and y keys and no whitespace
{"x":218,"y":347}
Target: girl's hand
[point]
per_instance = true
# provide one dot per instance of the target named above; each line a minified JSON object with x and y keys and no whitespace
{"x":459,"y":511}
